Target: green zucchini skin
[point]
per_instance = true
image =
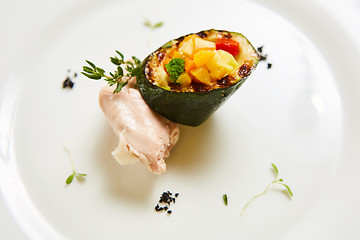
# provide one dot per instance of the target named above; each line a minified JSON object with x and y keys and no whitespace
{"x":187,"y":108}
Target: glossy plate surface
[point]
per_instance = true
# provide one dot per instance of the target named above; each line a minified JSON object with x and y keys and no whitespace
{"x":301,"y":114}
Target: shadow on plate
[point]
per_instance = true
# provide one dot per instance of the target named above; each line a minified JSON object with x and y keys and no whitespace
{"x":135,"y":182}
{"x":131,"y":182}
{"x":194,"y":147}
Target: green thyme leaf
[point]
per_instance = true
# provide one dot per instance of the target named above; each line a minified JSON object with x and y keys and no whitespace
{"x":225,"y":198}
{"x":136,"y":60}
{"x":87,"y":69}
{"x":121,"y":55}
{"x":115,"y":77}
{"x":119,"y":86}
{"x":100,"y":71}
{"x":135,"y":71}
{"x":120,"y":71}
{"x":115,"y":60}
{"x":94,"y":76}
{"x":91,"y":64}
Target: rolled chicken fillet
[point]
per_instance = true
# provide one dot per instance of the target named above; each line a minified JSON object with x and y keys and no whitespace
{"x":143,"y":134}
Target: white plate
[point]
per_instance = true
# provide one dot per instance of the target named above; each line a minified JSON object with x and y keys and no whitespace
{"x":301,"y":115}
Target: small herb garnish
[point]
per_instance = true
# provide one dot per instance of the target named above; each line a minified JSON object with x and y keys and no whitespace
{"x":225,"y":198}
{"x":277,"y":180}
{"x":175,"y":67}
{"x":74,"y":173}
{"x":96,"y":73}
{"x":167,"y":45}
{"x":148,"y":24}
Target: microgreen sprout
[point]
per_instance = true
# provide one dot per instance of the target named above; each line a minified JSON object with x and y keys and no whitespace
{"x":74,"y":173}
{"x":148,"y":24}
{"x":276,"y":181}
{"x":116,"y":77}
{"x":152,"y":27}
{"x":225,"y":198}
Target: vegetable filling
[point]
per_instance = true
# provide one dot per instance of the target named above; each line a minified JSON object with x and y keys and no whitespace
{"x":201,"y":62}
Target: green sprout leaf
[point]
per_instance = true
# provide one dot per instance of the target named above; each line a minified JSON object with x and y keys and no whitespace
{"x":157,"y":25}
{"x":116,"y":77}
{"x":275,"y":168}
{"x":70,"y":178}
{"x":152,"y":27}
{"x":148,"y":24}
{"x":287,"y":188}
{"x":276,"y":181}
{"x":225,"y":198}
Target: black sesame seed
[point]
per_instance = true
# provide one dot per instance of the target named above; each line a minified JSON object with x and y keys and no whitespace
{"x":263,"y":57}
{"x":68,"y":83}
{"x":169,"y":211}
{"x":269,"y":65}
{"x":176,"y":194}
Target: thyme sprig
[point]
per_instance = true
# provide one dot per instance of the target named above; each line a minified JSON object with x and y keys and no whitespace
{"x":276,"y":181}
{"x":74,"y":173}
{"x":116,"y":77}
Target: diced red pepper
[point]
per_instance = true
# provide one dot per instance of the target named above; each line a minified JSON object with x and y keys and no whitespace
{"x":229,"y":45}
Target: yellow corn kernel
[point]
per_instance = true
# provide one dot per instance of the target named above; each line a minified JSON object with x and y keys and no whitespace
{"x":203,"y":57}
{"x":202,"y":75}
{"x":184,"y":79}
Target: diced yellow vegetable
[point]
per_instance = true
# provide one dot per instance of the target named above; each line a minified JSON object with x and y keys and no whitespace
{"x":201,"y":43}
{"x":219,"y":73}
{"x":228,"y":58}
{"x":202,"y":75}
{"x":184,"y":79}
{"x":178,"y":54}
{"x":163,"y":78}
{"x":203,"y":57}
{"x":187,"y":45}
{"x":218,"y":67}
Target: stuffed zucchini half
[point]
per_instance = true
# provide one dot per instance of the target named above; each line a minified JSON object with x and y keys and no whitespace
{"x":189,"y":78}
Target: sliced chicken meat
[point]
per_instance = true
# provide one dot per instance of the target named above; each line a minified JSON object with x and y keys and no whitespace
{"x":143,"y":134}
